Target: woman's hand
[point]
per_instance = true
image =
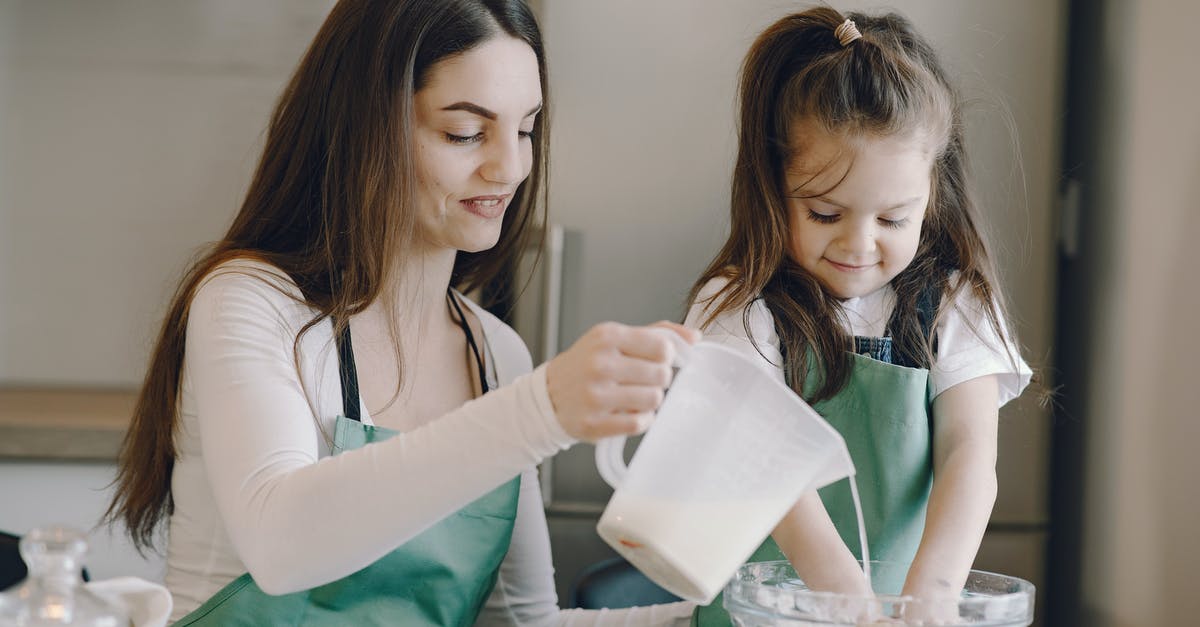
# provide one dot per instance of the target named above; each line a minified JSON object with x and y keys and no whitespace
{"x":611,"y":380}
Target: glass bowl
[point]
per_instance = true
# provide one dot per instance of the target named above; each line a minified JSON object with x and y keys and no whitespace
{"x":769,"y":594}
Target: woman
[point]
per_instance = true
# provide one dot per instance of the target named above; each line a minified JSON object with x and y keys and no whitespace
{"x":336,"y":435}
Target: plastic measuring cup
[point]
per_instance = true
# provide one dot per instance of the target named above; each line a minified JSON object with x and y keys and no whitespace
{"x":729,"y":453}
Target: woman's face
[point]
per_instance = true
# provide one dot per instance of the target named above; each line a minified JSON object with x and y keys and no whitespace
{"x":855,"y":208}
{"x":473,"y":146}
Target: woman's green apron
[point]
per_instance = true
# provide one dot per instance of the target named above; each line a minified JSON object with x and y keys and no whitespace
{"x":884,"y":415}
{"x":441,"y":577}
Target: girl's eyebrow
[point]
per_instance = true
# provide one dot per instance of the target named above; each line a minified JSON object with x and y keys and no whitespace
{"x":900,"y":205}
{"x":483,"y":112}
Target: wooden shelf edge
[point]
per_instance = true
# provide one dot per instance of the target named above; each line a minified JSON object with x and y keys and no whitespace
{"x":61,"y":423}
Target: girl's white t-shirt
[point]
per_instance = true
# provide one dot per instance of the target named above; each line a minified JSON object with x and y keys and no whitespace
{"x":256,"y":490}
{"x":967,"y":346}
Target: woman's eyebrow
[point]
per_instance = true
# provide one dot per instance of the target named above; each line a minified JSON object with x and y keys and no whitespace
{"x":483,"y":112}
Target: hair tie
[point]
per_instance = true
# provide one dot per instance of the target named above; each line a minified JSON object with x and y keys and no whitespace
{"x":847,"y":33}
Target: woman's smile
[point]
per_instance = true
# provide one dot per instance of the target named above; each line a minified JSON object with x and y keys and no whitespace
{"x":488,"y":207}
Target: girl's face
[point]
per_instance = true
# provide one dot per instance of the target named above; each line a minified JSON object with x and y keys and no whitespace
{"x":473,"y":146}
{"x":855,"y":208}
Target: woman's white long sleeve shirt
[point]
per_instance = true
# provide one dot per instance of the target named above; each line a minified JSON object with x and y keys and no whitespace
{"x":256,"y":490}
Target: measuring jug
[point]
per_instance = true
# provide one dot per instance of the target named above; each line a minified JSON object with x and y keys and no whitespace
{"x":729,"y":453}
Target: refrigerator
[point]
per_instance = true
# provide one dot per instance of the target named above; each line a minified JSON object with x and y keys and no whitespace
{"x":642,"y":103}
{"x":1124,"y":502}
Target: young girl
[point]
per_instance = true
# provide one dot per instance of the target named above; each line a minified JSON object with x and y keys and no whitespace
{"x":331,"y":432}
{"x":855,"y":273}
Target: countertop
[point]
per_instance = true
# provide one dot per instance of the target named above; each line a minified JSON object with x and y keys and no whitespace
{"x":77,"y":424}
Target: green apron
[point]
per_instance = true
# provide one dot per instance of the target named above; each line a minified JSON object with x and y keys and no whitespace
{"x":883,"y":414}
{"x":441,"y":577}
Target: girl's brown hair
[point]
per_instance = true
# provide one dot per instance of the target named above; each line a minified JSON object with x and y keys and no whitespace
{"x":331,"y":204}
{"x":889,"y":82}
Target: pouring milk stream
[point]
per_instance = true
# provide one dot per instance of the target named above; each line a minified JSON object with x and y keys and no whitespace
{"x":729,"y":453}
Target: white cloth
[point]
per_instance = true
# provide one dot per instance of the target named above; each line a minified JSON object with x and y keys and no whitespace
{"x":147,"y":604}
{"x":967,"y":346}
{"x":256,"y":491}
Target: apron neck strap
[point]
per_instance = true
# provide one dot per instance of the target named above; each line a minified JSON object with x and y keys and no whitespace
{"x":348,"y":373}
{"x":927,"y":306}
{"x":462,"y":322}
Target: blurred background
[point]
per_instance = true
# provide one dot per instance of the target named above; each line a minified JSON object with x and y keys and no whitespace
{"x":129,"y":130}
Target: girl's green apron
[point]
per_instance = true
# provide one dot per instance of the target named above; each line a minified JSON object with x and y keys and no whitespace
{"x":441,"y":577}
{"x":884,"y":415}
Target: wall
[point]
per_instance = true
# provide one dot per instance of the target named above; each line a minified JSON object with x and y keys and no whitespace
{"x":130,"y":130}
{"x":657,"y":81}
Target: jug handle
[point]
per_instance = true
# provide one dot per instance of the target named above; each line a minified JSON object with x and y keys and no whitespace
{"x":610,"y":452}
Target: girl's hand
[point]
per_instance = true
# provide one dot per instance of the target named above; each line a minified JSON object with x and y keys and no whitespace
{"x":932,"y":605}
{"x":864,"y":611}
{"x":916,"y":613}
{"x":611,"y":380}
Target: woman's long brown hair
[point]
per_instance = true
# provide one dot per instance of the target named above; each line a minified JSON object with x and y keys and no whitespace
{"x":887,"y":83}
{"x":331,"y":202}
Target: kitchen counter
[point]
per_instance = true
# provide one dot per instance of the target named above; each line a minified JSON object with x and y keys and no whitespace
{"x":76,"y":424}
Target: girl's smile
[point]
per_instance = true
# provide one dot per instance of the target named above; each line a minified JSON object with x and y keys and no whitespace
{"x":849,"y":267}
